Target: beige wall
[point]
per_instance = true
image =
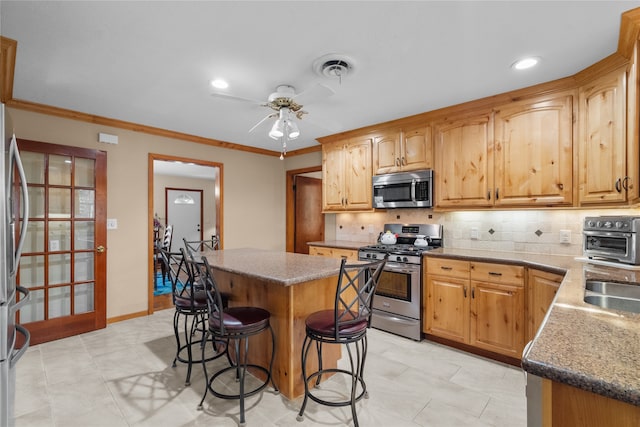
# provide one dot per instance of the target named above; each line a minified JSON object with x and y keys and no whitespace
{"x":253,"y":196}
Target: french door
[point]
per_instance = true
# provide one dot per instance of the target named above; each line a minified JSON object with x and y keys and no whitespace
{"x":64,"y":257}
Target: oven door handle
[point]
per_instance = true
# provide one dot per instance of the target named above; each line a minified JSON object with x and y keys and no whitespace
{"x":401,"y":268}
{"x":606,"y":233}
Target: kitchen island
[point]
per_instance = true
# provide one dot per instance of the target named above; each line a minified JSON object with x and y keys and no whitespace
{"x":291,"y":286}
{"x":588,"y":357}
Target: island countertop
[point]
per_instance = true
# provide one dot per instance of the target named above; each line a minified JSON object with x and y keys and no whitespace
{"x":284,"y":268}
{"x":578,"y":344}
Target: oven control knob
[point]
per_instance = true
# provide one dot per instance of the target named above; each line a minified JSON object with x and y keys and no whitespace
{"x":405,"y":259}
{"x":620,"y":224}
{"x":591,"y":223}
{"x":608,"y":224}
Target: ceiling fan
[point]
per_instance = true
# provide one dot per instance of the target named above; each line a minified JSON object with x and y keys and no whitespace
{"x":287,"y":106}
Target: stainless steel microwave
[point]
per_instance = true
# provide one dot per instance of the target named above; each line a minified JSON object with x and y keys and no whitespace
{"x":403,"y":190}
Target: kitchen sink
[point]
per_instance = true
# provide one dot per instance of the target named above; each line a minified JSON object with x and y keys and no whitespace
{"x":613,"y":295}
{"x":606,"y":301}
{"x":614,"y":289}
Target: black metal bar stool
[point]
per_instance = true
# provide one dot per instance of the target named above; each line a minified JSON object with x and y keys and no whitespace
{"x":347,"y":324}
{"x":235,"y":325}
{"x":190,"y":309}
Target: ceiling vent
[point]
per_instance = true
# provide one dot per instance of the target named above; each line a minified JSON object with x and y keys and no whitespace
{"x":333,"y":66}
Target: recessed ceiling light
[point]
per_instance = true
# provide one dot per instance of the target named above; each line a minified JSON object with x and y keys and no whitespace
{"x":525,"y":63}
{"x":219,"y":84}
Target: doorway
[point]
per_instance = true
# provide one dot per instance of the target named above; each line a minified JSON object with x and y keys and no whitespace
{"x":305,"y":220}
{"x":172,"y":178}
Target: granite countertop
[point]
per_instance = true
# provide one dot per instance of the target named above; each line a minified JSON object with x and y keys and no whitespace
{"x":282,"y":268}
{"x":341,"y":244}
{"x":579,"y":344}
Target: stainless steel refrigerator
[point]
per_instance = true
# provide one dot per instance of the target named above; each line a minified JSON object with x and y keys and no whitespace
{"x":12,"y":185}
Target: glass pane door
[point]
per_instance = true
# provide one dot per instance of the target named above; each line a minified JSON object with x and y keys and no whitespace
{"x":59,"y":259}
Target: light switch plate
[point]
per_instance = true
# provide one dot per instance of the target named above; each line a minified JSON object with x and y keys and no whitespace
{"x":565,"y":236}
{"x":112,"y":224}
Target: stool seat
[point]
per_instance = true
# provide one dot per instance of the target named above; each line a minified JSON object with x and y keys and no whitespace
{"x":323,"y":323}
{"x":184,"y":301}
{"x":241,"y":319}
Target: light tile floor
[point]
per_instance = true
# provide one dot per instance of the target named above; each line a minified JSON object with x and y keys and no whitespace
{"x":122,"y":376}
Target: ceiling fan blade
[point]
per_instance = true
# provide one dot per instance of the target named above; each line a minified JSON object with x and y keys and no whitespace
{"x":313,"y":94}
{"x":236,"y":98}
{"x":261,"y":121}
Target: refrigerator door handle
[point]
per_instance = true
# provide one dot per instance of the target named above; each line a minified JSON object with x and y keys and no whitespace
{"x":18,"y":354}
{"x":15,"y":154}
{"x":26,"y":296}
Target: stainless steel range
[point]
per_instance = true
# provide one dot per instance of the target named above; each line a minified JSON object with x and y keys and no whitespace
{"x":397,"y":300}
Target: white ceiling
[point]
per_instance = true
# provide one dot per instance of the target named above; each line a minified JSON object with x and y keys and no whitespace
{"x":151,"y":62}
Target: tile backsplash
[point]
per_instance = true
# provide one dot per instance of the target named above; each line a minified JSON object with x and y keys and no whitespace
{"x":532,"y":231}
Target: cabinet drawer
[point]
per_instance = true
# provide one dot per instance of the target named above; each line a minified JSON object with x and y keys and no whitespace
{"x":448,"y":267}
{"x":350,"y":254}
{"x":497,"y":273}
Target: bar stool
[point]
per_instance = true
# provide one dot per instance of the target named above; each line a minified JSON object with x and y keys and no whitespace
{"x":190,"y":309}
{"x":347,"y":324}
{"x":235,"y":325}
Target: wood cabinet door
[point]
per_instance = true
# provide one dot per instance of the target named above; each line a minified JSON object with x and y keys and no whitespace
{"x":542,"y":287}
{"x":333,"y":177}
{"x":497,"y":318}
{"x":416,"y":151}
{"x":602,"y":144}
{"x":447,"y":308}
{"x":386,"y":158}
{"x":533,"y":152}
{"x":464,"y":162}
{"x":357,"y":172}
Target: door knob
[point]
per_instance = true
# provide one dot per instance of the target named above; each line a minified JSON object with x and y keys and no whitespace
{"x":100,"y":249}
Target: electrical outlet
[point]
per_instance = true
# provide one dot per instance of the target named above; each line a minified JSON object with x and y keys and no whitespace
{"x":565,"y":236}
{"x":475,"y":234}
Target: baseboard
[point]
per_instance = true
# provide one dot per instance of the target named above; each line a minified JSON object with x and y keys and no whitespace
{"x":127,"y":317}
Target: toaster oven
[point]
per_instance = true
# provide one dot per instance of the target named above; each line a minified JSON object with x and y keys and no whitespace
{"x":612,"y":238}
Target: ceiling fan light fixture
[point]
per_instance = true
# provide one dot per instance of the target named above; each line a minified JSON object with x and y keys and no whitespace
{"x":277,"y":130}
{"x":293,"y":130}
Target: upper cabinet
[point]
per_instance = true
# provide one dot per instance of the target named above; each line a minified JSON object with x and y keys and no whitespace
{"x":464,"y":162}
{"x":519,"y":154}
{"x":603,"y":173}
{"x":403,"y":150}
{"x":346,"y":175}
{"x":533,"y":152}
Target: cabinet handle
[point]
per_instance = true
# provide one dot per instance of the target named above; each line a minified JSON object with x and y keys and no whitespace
{"x":619,"y":185}
{"x":561,"y":186}
{"x":473,"y":293}
{"x":397,"y":161}
{"x":488,"y":194}
{"x":446,"y":268}
{"x":464,"y":290}
{"x":493,"y":273}
{"x":625,"y":182}
{"x":403,"y":161}
{"x":497,"y":193}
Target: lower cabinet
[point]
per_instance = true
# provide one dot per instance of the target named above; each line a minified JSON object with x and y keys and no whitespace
{"x":476,"y":303}
{"x":350,"y":254}
{"x":541,"y":290}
